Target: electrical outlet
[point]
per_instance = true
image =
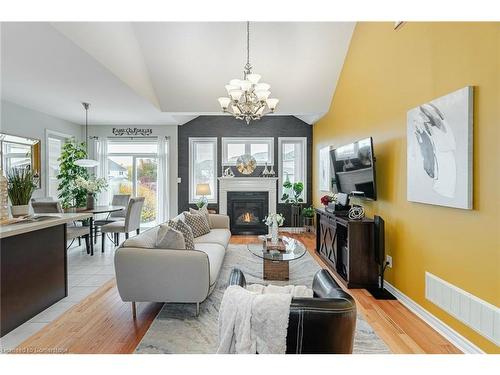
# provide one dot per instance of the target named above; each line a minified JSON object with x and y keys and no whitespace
{"x":388,"y":261}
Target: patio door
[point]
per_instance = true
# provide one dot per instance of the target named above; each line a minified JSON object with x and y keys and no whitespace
{"x":133,"y":168}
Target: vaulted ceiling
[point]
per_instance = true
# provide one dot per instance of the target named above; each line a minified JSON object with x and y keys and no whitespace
{"x":166,"y":72}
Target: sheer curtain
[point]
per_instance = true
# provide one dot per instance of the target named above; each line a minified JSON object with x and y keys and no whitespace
{"x":163,"y":180}
{"x":101,"y":154}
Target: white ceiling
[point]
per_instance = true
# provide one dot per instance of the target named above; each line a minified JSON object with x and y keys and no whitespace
{"x":167,"y":72}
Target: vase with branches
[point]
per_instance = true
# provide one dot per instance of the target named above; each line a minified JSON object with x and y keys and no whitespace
{"x":70,"y":194}
{"x":20,"y":188}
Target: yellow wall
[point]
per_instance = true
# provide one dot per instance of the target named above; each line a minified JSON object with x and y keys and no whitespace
{"x":385,"y":74}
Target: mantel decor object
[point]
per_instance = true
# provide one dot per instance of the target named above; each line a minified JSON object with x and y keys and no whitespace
{"x":246,"y":164}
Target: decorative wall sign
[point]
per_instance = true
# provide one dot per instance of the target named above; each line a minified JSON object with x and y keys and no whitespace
{"x":439,"y":151}
{"x":132,"y":132}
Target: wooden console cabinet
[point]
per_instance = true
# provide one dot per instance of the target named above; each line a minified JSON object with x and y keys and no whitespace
{"x":347,"y":247}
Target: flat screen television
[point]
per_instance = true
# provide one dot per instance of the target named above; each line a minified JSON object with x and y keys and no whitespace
{"x":353,"y":169}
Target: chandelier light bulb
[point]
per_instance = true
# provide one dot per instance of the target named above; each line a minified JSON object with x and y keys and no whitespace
{"x":236,"y":94}
{"x":245,"y":85}
{"x":262,"y":87}
{"x":224,"y":102}
{"x":262,"y":95}
{"x":272,"y":103}
{"x":253,"y":78}
{"x":235,"y":82}
{"x":231,"y":87}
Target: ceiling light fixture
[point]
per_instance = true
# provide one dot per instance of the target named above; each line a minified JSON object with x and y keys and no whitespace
{"x":248,"y":99}
{"x":86,"y":163}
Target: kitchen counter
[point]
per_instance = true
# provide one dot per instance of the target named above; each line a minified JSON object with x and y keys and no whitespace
{"x":34,"y":267}
{"x":41,"y":221}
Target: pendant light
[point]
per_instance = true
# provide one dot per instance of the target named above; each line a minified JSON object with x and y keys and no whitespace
{"x":86,"y":163}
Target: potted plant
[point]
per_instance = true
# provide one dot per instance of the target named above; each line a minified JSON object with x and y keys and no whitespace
{"x":70,"y":194}
{"x":21,"y":185}
{"x":308,"y":214}
{"x":273,"y":221}
{"x":92,"y":186}
{"x":329,"y":201}
{"x":293,"y":195}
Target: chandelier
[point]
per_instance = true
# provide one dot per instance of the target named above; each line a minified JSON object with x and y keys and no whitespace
{"x":248,"y":99}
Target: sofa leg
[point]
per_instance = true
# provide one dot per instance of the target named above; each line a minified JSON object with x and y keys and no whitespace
{"x":134,"y":311}
{"x":197,"y":309}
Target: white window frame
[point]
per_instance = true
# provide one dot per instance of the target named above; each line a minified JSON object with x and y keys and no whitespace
{"x":281,"y":176}
{"x":192,"y":142}
{"x":248,"y":141}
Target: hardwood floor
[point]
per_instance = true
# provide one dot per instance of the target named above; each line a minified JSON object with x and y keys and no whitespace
{"x":102,"y":323}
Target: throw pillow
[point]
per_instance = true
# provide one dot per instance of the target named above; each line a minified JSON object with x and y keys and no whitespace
{"x":169,"y":238}
{"x":186,"y":231}
{"x":145,"y":240}
{"x":198,"y":223}
{"x":203,"y":210}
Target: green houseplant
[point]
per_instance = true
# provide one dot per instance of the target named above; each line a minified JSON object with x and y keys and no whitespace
{"x":70,"y":194}
{"x":20,"y":188}
{"x":308,"y":214}
{"x":292,"y":194}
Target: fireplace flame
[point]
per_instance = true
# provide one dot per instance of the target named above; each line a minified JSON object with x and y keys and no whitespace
{"x":247,"y":218}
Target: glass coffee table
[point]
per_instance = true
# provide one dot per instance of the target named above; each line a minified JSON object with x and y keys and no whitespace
{"x":275,"y":264}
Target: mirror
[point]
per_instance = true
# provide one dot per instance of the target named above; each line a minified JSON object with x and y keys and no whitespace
{"x":20,"y":152}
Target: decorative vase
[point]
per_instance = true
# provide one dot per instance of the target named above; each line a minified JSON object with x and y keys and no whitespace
{"x":274,"y":233}
{"x":22,"y":210}
{"x":91,"y":202}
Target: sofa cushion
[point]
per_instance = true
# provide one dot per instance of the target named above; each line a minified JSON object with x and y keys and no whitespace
{"x":169,"y":238}
{"x":145,"y":240}
{"x":201,"y":211}
{"x":215,"y":255}
{"x":215,"y":236}
{"x":185,"y":229}
{"x":198,"y":223}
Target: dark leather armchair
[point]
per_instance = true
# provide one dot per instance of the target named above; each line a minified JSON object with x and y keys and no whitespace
{"x":323,"y":324}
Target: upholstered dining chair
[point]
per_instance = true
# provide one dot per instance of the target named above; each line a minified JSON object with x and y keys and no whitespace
{"x":72,"y":231}
{"x":118,"y":200}
{"x":132,"y":221}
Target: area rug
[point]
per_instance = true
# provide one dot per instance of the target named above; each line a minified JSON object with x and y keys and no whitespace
{"x":177,"y":330}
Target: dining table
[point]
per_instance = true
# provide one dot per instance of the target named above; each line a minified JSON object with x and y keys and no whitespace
{"x":96,"y":211}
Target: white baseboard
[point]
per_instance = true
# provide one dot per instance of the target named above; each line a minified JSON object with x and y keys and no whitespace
{"x":442,"y":328}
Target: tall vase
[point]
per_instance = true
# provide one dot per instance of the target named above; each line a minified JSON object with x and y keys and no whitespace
{"x":91,"y":202}
{"x":274,"y":233}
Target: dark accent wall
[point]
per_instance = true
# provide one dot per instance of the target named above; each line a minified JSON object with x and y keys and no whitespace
{"x":226,"y":126}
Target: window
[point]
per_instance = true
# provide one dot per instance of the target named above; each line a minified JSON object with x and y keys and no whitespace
{"x":292,"y":162}
{"x":133,"y":168}
{"x":260,"y":148}
{"x":202,"y":167}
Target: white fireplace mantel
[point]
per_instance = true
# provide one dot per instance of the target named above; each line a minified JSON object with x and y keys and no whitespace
{"x":247,"y":184}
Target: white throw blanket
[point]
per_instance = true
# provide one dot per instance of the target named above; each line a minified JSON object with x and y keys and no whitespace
{"x":255,"y":320}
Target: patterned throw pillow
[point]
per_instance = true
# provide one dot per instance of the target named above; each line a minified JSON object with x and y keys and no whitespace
{"x":169,"y":238}
{"x":185,"y":230}
{"x":203,"y":210}
{"x":198,"y":223}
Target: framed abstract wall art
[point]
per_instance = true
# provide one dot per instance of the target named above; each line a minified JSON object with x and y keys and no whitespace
{"x":439,"y":151}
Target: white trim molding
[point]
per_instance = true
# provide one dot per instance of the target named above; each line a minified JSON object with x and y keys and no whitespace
{"x":439,"y":326}
{"x":247,"y":184}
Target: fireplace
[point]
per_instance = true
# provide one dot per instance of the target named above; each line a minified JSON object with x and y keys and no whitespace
{"x":246,"y":211}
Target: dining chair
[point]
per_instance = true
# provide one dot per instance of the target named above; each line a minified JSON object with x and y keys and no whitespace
{"x":72,"y":232}
{"x":118,"y":200}
{"x":132,"y":221}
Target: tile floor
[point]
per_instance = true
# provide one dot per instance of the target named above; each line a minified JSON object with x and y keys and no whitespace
{"x":85,"y":274}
